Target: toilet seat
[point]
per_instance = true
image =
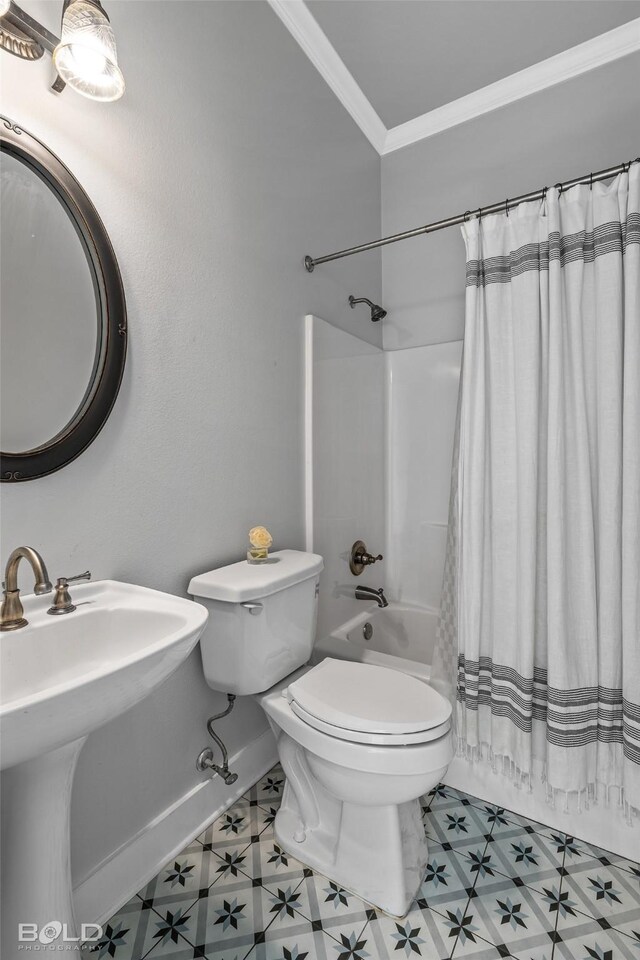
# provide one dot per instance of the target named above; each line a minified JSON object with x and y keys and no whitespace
{"x":366,"y":703}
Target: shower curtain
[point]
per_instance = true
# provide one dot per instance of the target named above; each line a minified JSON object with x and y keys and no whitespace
{"x":539,"y":633}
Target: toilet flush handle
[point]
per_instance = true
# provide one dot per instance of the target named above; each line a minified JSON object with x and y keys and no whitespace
{"x":254,"y":608}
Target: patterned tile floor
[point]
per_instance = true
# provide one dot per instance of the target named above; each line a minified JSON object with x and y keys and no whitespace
{"x":497,"y":885}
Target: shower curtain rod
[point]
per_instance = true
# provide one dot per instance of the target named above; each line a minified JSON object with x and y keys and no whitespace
{"x":506,"y":205}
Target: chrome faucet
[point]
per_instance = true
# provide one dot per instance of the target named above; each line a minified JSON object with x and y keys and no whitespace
{"x":12,"y":612}
{"x":368,"y":593}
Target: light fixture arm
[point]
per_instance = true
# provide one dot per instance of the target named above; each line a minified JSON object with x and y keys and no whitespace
{"x":19,"y":20}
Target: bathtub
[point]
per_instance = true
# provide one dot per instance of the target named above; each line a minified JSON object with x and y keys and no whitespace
{"x":401,"y":636}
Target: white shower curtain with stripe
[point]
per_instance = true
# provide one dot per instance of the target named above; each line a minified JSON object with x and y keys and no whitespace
{"x":539,"y":633}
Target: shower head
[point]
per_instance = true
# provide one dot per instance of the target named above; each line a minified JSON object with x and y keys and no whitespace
{"x":377,"y":312}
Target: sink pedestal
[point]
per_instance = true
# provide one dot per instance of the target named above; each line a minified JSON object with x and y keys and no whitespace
{"x":36,"y":868}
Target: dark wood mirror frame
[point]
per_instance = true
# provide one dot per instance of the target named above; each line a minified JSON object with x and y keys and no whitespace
{"x":112,"y":316}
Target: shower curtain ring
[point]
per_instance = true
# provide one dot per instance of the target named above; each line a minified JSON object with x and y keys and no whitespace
{"x":591,"y":181}
{"x":559,"y":189}
{"x":506,"y":206}
{"x":467,"y":214}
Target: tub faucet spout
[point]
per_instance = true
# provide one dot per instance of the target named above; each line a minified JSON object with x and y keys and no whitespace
{"x":368,"y":593}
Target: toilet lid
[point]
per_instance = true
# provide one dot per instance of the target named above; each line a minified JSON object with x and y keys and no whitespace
{"x":366,"y":703}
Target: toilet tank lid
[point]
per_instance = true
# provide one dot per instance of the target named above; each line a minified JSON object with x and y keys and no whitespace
{"x":242,"y":581}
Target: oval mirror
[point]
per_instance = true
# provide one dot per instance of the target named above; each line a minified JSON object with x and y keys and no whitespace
{"x":63,"y":333}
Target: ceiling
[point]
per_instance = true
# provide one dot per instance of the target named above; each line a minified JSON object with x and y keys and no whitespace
{"x":410,"y":56}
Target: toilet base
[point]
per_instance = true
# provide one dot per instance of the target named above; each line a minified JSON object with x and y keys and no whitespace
{"x":378,"y":853}
{"x":350,"y":810}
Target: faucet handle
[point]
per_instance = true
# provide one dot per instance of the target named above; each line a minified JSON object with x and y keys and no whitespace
{"x":63,"y":581}
{"x":361,"y":558}
{"x":62,"y":601}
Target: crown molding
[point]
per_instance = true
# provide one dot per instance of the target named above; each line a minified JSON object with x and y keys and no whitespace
{"x":610,"y":46}
{"x":307,"y":31}
{"x":587,"y":56}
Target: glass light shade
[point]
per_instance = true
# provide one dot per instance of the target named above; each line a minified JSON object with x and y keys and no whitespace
{"x":86,"y":56}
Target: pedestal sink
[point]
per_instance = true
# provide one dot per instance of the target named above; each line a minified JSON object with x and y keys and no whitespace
{"x":61,"y":678}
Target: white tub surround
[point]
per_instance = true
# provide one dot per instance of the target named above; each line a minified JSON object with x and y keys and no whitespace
{"x":400,"y":636}
{"x":422,"y":397}
{"x":344,"y":463}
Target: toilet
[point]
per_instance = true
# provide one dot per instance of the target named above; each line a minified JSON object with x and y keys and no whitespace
{"x":359,"y":743}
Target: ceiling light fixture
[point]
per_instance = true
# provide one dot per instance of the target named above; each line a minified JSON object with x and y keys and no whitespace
{"x":84,"y":57}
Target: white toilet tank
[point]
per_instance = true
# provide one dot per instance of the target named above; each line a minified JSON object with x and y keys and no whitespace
{"x":262,"y":620}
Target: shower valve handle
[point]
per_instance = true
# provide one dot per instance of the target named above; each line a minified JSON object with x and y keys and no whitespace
{"x":361,"y":558}
{"x":367,"y":558}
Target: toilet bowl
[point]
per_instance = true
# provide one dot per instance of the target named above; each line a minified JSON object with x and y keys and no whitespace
{"x":351,"y":806}
{"x":359,"y":743}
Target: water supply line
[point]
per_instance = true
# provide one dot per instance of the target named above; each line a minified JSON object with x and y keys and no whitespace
{"x":205,"y":758}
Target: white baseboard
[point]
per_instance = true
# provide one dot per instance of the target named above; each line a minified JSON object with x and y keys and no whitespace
{"x":602,"y":826}
{"x":129,"y":868}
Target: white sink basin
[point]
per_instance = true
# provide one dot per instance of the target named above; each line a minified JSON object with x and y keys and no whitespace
{"x":60,"y":678}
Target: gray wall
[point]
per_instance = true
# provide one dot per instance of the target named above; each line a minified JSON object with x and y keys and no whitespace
{"x":586,"y":124}
{"x":228,"y":159}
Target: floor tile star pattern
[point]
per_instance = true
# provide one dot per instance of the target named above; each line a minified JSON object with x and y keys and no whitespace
{"x":496,"y":885}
